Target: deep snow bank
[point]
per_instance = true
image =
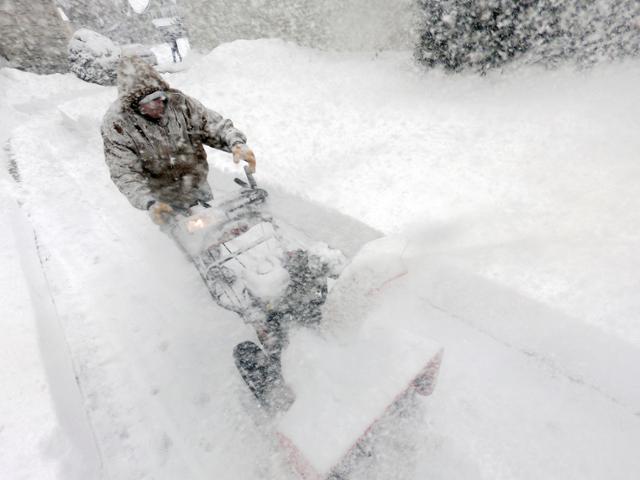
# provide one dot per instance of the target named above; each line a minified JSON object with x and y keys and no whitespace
{"x":45,"y":432}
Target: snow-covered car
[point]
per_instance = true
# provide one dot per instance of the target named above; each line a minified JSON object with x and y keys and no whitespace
{"x":94,"y":57}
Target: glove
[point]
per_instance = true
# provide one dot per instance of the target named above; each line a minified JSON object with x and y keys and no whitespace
{"x":159,"y":212}
{"x":242,"y":152}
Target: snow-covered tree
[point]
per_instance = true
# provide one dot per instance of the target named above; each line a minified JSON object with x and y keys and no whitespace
{"x":484,"y":34}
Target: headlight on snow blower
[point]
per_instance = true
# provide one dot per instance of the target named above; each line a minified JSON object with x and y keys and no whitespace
{"x":195,"y":225}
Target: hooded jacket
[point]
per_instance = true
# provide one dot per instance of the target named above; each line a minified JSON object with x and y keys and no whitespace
{"x":161,"y":160}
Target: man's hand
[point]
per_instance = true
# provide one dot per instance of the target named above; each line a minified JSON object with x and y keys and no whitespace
{"x":242,"y":152}
{"x":160,"y":212}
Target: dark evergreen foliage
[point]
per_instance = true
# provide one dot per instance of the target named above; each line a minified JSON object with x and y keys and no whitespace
{"x":485,"y":34}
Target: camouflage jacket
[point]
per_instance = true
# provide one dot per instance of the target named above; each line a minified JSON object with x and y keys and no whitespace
{"x":161,"y":160}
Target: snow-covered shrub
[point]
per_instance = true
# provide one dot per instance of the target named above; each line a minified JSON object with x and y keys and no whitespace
{"x":483,"y":34}
{"x":93,"y":57}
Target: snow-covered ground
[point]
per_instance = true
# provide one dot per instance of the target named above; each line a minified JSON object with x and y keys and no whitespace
{"x":515,"y":197}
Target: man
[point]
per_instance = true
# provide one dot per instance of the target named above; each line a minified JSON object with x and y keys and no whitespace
{"x":153,"y":142}
{"x":172,"y":38}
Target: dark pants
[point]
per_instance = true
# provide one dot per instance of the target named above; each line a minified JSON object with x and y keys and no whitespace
{"x":175,"y":50}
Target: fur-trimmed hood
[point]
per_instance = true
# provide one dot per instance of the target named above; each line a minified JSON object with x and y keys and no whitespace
{"x":136,"y":78}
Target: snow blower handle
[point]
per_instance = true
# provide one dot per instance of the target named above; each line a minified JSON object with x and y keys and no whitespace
{"x":252,"y":181}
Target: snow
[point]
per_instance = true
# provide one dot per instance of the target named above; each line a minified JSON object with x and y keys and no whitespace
{"x":162,"y":51}
{"x":515,"y":198}
{"x":372,"y":360}
{"x":26,"y":407}
{"x":39,"y":436}
{"x":139,"y":6}
{"x":63,"y":15}
{"x":93,"y":57}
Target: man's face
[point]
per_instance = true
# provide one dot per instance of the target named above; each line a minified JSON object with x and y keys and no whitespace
{"x":153,"y":105}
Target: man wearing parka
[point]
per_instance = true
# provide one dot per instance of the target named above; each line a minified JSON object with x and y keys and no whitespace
{"x":153,"y":142}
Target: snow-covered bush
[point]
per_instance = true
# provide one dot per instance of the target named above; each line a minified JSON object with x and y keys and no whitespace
{"x":584,"y":31}
{"x":93,"y":57}
{"x":483,"y":34}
